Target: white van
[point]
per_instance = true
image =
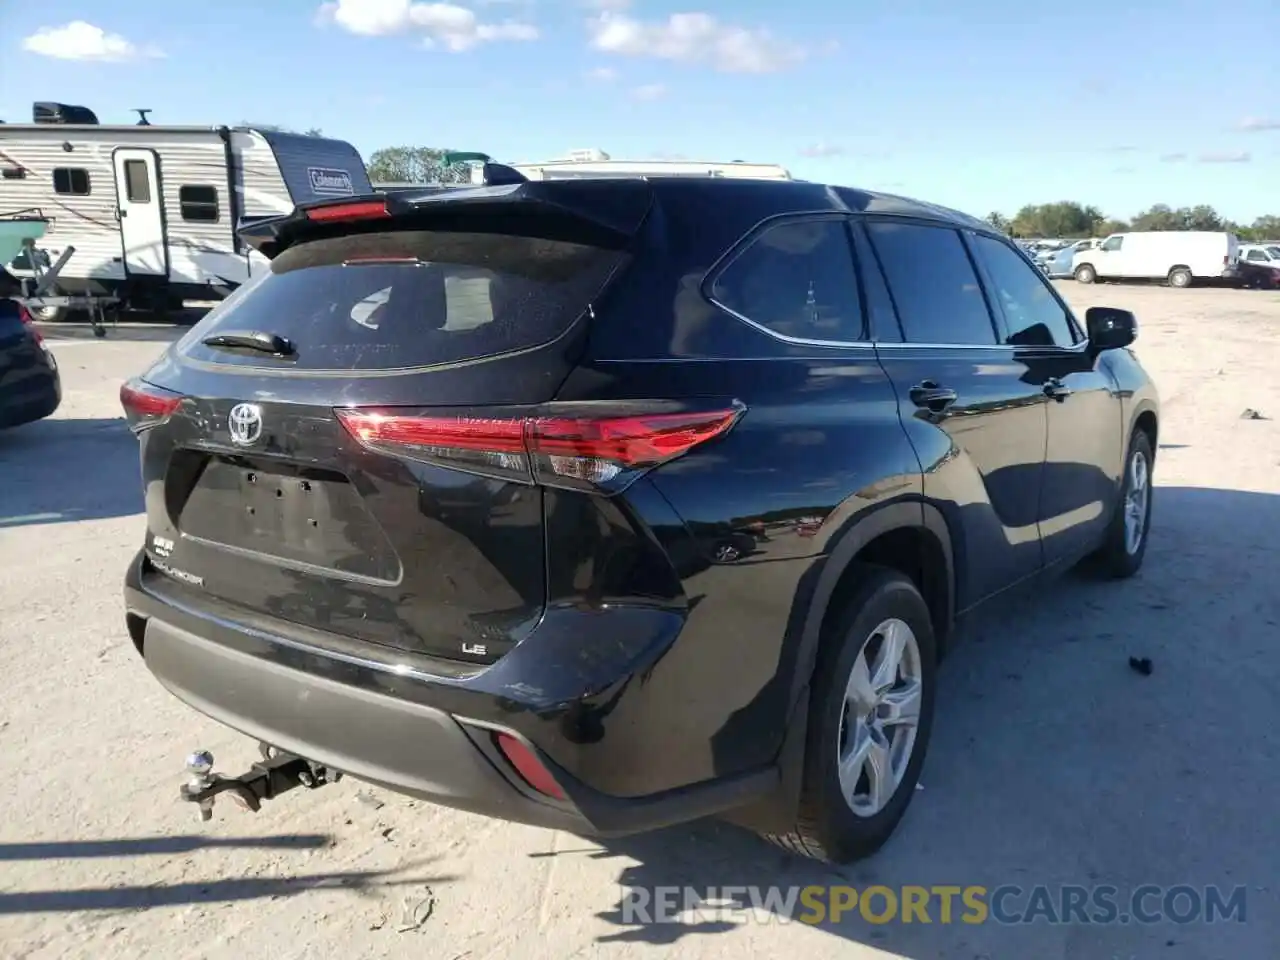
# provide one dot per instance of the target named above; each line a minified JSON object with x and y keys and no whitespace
{"x":1180,"y":257}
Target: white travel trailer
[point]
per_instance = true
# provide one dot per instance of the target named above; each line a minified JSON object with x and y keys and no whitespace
{"x":150,"y":211}
{"x":1179,"y":257}
{"x":597,"y":163}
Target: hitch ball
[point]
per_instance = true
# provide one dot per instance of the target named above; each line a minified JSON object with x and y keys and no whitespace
{"x":200,"y":771}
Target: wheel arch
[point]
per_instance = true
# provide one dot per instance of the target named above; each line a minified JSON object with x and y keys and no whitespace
{"x":910,"y":536}
{"x":876,"y":537}
{"x":1146,"y":417}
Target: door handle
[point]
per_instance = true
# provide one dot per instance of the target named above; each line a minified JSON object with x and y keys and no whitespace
{"x":931,"y":396}
{"x":1055,"y":389}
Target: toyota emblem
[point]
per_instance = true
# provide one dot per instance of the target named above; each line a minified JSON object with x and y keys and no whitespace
{"x":245,"y":423}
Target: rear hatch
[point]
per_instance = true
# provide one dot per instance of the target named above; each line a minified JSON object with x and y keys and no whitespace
{"x":287,"y":474}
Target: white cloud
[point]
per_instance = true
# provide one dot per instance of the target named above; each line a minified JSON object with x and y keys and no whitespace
{"x":819,"y":151}
{"x":440,"y":24}
{"x":1257,"y":124}
{"x":79,"y":40}
{"x":649,"y":92}
{"x":1240,"y":157}
{"x":603,"y":74}
{"x":693,"y":38}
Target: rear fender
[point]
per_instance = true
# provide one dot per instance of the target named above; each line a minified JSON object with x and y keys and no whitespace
{"x":776,"y":812}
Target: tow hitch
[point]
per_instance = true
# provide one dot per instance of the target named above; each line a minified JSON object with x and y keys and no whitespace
{"x":277,"y":773}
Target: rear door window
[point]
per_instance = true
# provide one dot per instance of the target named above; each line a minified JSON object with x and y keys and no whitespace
{"x":933,"y":284}
{"x":402,"y":299}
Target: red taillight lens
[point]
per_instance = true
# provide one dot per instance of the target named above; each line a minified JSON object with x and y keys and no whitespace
{"x":528,"y":766}
{"x":490,"y":446}
{"x":360,"y":210}
{"x":29,"y":322}
{"x":598,"y":450}
{"x":146,"y":405}
{"x":637,"y":441}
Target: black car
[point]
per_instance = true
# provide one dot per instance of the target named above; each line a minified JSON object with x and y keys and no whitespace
{"x":442,"y":501}
{"x":30,"y":388}
{"x":1258,"y":276}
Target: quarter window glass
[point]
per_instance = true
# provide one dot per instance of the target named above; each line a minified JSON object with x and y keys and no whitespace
{"x":796,"y":279}
{"x":1033,"y":314}
{"x":933,"y":284}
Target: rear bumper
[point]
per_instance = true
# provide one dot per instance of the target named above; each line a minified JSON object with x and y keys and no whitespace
{"x":38,"y":398}
{"x":434,"y":737}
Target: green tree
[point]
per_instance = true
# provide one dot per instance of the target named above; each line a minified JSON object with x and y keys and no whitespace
{"x":1159,"y":217}
{"x":1201,"y":217}
{"x":414,"y":165}
{"x":1068,"y":219}
{"x":1266,"y":228}
{"x":998,"y":220}
{"x":1062,"y":219}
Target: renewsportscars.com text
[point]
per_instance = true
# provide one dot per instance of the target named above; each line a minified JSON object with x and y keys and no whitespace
{"x":1007,"y":904}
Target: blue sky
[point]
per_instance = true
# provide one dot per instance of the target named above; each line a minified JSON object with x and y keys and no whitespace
{"x":1011,"y":102}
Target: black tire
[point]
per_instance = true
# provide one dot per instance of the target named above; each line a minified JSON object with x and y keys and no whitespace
{"x":1085,"y":273}
{"x":827,"y":829}
{"x":48,"y":314}
{"x":1115,"y":559}
{"x":1180,"y":277}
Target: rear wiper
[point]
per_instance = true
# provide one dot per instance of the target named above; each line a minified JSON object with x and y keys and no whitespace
{"x":261,"y":341}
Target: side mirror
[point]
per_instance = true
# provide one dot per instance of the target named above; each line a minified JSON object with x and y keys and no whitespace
{"x":1110,"y":328}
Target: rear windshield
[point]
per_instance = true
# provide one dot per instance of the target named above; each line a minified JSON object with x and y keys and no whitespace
{"x":377,"y":301}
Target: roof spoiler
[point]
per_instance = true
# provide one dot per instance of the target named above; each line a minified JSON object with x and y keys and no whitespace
{"x":611,"y":212}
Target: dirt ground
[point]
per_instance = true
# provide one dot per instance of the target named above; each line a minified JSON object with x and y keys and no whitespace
{"x":1052,"y":763}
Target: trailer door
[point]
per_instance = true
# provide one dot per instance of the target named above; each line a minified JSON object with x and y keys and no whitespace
{"x":141,"y":217}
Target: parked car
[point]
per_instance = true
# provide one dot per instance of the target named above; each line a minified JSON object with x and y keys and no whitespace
{"x":1258,"y":274}
{"x":1264,"y":254}
{"x":30,"y":387}
{"x":445,"y":557}
{"x":1060,"y":264}
{"x":1178,"y":257}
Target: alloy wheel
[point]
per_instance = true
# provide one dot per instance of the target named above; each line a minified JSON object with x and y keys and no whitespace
{"x":881,"y":717}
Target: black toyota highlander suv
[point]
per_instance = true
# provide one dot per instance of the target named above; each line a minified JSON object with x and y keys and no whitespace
{"x":610,"y":504}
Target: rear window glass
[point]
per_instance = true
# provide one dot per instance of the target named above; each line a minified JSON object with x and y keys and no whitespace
{"x":376,"y":301}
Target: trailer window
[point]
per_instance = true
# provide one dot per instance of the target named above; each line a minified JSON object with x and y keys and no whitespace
{"x":71,"y":180}
{"x":137,"y":185}
{"x":199,"y":203}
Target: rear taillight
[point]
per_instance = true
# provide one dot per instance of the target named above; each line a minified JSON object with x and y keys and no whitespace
{"x":146,"y":405}
{"x":340,"y":212}
{"x":577,"y":446}
{"x":29,"y":322}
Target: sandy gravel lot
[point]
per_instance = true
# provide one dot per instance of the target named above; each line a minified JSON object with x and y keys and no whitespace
{"x":1052,"y":761}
